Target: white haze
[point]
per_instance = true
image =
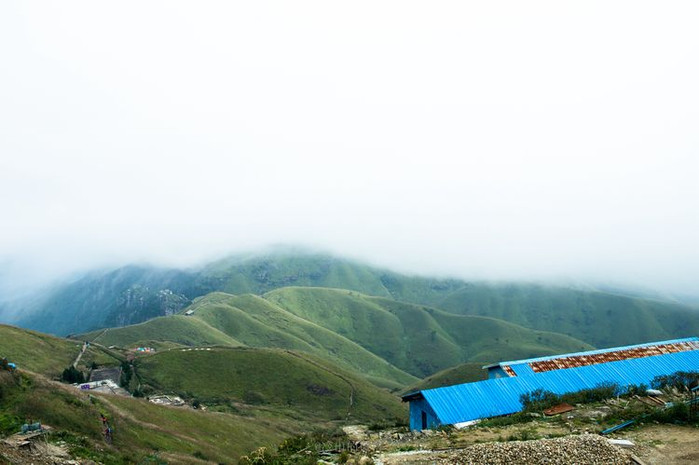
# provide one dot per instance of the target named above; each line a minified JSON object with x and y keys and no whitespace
{"x":494,"y":140}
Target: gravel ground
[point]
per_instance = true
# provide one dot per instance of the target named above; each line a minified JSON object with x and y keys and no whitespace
{"x":584,"y":449}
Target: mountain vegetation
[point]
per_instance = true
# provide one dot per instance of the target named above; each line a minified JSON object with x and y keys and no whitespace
{"x":143,"y":432}
{"x":49,"y":355}
{"x":291,"y":383}
{"x":254,"y":397}
{"x":418,"y":339}
{"x":598,"y":318}
{"x":277,"y":345}
{"x":135,"y":294}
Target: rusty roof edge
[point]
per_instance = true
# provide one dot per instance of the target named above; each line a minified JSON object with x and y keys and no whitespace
{"x":596,"y":351}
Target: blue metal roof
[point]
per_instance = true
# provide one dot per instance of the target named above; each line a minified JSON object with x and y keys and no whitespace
{"x":495,"y":397}
{"x":593,"y":352}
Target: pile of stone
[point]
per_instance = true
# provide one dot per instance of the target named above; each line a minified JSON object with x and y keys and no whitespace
{"x":586,"y":448}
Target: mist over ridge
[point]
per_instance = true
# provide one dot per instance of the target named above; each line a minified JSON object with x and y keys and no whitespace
{"x":496,"y":142}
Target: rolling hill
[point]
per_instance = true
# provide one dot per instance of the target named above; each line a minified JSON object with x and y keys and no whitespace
{"x":260,"y":396}
{"x":137,"y":293}
{"x":46,"y":354}
{"x":420,"y":340}
{"x":143,"y":432}
{"x":294,"y":383}
{"x":224,"y":319}
{"x":598,"y":318}
{"x":391,"y":343}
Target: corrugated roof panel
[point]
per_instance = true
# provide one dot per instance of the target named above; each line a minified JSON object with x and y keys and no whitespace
{"x":495,"y":397}
{"x":521,"y":370}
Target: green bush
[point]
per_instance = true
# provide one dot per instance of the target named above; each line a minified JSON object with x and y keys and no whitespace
{"x":679,"y":380}
{"x":9,"y":424}
{"x":541,"y":399}
{"x":636,"y":390}
{"x":538,"y":400}
{"x":72,"y":375}
{"x":298,"y":450}
{"x":514,"y":419}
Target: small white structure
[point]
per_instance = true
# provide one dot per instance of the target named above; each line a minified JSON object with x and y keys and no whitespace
{"x":167,"y":400}
{"x":189,"y":312}
{"x":108,"y":383}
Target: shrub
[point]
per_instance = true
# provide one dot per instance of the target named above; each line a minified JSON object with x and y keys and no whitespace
{"x":541,"y":399}
{"x":538,"y":400}
{"x":636,"y":390}
{"x":597,"y":394}
{"x":679,"y":380}
{"x":72,"y":375}
{"x":298,"y":450}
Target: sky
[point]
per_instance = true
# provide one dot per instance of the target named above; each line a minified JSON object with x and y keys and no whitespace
{"x":490,"y":140}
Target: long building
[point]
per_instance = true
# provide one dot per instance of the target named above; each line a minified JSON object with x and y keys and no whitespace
{"x":561,"y":374}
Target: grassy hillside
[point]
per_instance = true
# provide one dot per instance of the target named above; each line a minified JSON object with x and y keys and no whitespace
{"x":175,"y":329}
{"x":600,"y":319}
{"x":292,"y":383}
{"x":257,"y":322}
{"x":417,"y":339}
{"x":134,"y":294}
{"x":47,"y":354}
{"x":464,"y":373}
{"x":36,"y":351}
{"x":227,"y":320}
{"x":142,"y":431}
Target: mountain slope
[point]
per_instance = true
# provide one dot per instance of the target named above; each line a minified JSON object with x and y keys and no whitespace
{"x":419,"y":340}
{"x":143,"y":432}
{"x":293,"y":382}
{"x":134,"y":294}
{"x":601,"y":319}
{"x":465,"y":373}
{"x":46,"y":354}
{"x":174,"y":329}
{"x":224,"y":319}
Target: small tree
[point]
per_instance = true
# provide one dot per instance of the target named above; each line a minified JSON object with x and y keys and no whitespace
{"x":73,"y":375}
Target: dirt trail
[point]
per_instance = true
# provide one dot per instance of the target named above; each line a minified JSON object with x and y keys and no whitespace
{"x":82,"y":351}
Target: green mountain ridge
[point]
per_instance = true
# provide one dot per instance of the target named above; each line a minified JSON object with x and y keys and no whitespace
{"x":599,"y":318}
{"x":252,"y":321}
{"x":134,"y":294}
{"x":418,"y":339}
{"x":391,"y":343}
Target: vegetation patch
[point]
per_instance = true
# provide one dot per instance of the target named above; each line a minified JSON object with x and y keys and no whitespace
{"x":302,"y":450}
{"x":541,"y":399}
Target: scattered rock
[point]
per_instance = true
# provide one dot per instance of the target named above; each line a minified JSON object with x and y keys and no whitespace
{"x":586,"y":448}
